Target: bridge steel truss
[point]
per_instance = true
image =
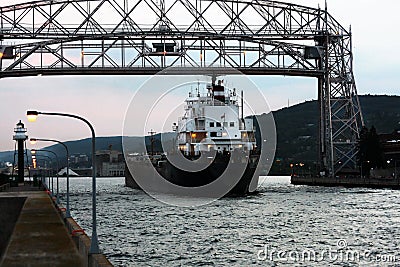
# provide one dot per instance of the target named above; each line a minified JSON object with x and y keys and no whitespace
{"x":143,"y":37}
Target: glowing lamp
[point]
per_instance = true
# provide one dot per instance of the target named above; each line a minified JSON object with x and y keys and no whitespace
{"x":32,"y":115}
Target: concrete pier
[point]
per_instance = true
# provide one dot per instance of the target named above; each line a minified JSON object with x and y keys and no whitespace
{"x":347,"y":182}
{"x":34,"y":232}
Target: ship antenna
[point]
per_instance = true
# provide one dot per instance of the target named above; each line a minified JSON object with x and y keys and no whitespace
{"x":152,"y":141}
{"x":213,"y":79}
{"x":198,"y":88}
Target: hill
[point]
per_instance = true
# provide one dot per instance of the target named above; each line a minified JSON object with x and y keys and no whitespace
{"x":296,"y":127}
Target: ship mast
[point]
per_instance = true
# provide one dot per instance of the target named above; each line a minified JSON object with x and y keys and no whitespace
{"x":152,"y":141}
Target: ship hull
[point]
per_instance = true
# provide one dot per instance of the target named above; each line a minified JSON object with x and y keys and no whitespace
{"x":238,"y":176}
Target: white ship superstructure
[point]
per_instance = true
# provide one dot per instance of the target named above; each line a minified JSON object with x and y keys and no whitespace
{"x":212,"y":122}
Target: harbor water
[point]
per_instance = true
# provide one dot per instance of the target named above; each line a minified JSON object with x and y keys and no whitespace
{"x":282,"y":225}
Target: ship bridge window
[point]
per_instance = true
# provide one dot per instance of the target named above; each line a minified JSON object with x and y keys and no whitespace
{"x":225,"y":124}
{"x":213,"y":134}
{"x":218,"y":124}
{"x":211,"y":124}
{"x":232,"y":124}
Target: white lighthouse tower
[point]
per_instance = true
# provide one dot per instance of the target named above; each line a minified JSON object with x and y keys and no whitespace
{"x":20,"y":138}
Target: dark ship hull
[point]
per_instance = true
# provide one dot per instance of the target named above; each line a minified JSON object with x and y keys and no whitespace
{"x":239,"y":176}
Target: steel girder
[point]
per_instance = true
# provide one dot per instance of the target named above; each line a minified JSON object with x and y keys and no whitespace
{"x":54,"y":37}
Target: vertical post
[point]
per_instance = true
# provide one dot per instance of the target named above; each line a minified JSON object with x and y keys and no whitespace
{"x":94,"y":246}
{"x":51,"y":174}
{"x":21,"y":161}
{"x":322,"y":127}
{"x":68,"y":214}
{"x":241,"y":106}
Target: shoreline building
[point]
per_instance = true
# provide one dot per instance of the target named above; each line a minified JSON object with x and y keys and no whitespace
{"x":110,"y":163}
{"x":390,"y":143}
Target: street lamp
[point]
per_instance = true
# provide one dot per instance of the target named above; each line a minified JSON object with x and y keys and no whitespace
{"x":46,"y":159}
{"x":34,"y":151}
{"x":395,"y":166}
{"x":361,"y":167}
{"x":34,"y":141}
{"x":32,"y":116}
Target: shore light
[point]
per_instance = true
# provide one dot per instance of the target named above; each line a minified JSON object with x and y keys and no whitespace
{"x":32,"y":115}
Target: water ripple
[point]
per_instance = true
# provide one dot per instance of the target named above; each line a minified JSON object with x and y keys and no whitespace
{"x":136,"y":230}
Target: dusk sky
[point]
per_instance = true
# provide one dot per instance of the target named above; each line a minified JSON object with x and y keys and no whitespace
{"x":104,"y":100}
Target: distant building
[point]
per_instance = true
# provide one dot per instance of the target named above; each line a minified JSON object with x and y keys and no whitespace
{"x":110,"y":163}
{"x":79,"y":161}
{"x":113,"y":169}
{"x":391,"y":145}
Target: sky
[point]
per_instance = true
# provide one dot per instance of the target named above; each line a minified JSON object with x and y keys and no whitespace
{"x":105,"y":100}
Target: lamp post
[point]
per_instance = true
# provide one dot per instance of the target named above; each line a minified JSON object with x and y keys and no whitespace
{"x":46,"y":159}
{"x":34,"y":151}
{"x":395,"y":166}
{"x":361,"y":167}
{"x":32,"y":116}
{"x":33,"y":141}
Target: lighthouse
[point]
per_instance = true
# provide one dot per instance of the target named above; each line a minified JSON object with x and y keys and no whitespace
{"x":20,"y":137}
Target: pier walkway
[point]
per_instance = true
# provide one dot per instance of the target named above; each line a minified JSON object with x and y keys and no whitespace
{"x":37,"y":234}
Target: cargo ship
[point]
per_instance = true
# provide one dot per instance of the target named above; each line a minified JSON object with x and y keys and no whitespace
{"x":214,"y":150}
